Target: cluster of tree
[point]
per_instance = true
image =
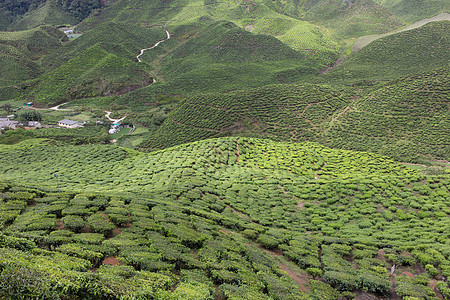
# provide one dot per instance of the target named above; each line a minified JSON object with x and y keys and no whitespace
{"x":79,"y":8}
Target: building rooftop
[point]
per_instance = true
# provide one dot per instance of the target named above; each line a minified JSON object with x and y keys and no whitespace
{"x":68,"y":122}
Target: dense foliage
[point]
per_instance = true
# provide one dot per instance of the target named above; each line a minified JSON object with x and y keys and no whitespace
{"x":230,"y":217}
{"x":408,"y":52}
{"x":406,"y":118}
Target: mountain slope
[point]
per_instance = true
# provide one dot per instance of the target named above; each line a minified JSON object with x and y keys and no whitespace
{"x":407,"y":119}
{"x":48,"y":13}
{"x":347,"y":19}
{"x":293,"y":112}
{"x":20,"y":50}
{"x":413,"y":51}
{"x":412,"y":11}
{"x":384,"y":119}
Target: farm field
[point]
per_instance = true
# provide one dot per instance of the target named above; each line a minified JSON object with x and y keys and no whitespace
{"x":220,"y":218}
{"x":384,"y":119}
{"x":268,"y":150}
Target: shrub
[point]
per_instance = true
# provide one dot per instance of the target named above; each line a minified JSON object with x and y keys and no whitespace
{"x":73,"y":222}
{"x":100,"y":223}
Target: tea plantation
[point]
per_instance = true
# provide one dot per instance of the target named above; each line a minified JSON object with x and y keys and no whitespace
{"x":221,"y":218}
{"x":406,"y":118}
{"x":408,"y":52}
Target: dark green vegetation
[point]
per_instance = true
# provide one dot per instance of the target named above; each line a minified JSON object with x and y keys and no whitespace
{"x":20,"y":50}
{"x":415,"y":10}
{"x":407,"y":118}
{"x":219,"y":218}
{"x":408,"y":52}
{"x":93,"y":66}
{"x":26,"y":14}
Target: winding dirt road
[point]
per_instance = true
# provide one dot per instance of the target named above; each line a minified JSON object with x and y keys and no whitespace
{"x":155,"y":45}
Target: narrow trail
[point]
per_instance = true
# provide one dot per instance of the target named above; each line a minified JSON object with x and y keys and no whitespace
{"x":57,"y":107}
{"x":155,"y":45}
{"x":111,"y":119}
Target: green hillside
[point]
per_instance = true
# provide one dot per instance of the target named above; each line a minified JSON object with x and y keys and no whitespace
{"x":405,"y":119}
{"x":224,"y":57}
{"x":412,"y":11}
{"x":27,"y":14}
{"x":293,"y":112}
{"x":124,"y":39}
{"x":221,"y":218}
{"x":99,"y":63}
{"x":400,"y":54}
{"x":19,"y":51}
{"x":339,"y":117}
{"x":4,"y":21}
{"x":255,"y":16}
{"x":353,"y":19}
{"x":48,"y":13}
{"x":94,"y":72}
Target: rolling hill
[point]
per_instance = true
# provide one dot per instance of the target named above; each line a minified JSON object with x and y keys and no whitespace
{"x":20,"y":50}
{"x":48,"y":13}
{"x":350,"y":19}
{"x":407,"y":119}
{"x":413,"y":51}
{"x":412,"y":11}
{"x":229,"y":217}
{"x":339,"y":117}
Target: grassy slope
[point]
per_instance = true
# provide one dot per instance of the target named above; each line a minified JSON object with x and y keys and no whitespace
{"x":47,"y":13}
{"x":99,"y":63}
{"x":364,"y":17}
{"x":299,"y":35}
{"x":405,"y":118}
{"x":294,"y":112}
{"x":408,"y":52}
{"x":19,"y":51}
{"x":220,"y":212}
{"x":412,"y":11}
{"x":324,"y":114}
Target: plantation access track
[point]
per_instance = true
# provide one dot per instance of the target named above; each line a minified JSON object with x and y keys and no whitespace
{"x":155,"y":45}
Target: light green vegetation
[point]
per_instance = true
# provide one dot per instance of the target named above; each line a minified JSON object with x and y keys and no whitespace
{"x":219,"y":212}
{"x":364,"y":41}
{"x":58,"y":136}
{"x":363,"y":17}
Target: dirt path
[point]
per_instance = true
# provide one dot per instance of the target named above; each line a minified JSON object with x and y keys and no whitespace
{"x":155,"y":45}
{"x":107,"y":115}
{"x":57,"y":107}
{"x":302,"y":281}
{"x":366,"y":40}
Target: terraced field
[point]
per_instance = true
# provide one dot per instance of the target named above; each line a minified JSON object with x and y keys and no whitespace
{"x":219,"y":218}
{"x":20,"y":50}
{"x":396,"y":55}
{"x":410,"y":113}
{"x":340,"y":117}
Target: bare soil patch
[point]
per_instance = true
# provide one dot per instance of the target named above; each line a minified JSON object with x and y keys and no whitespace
{"x":111,"y":260}
{"x":300,"y":279}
